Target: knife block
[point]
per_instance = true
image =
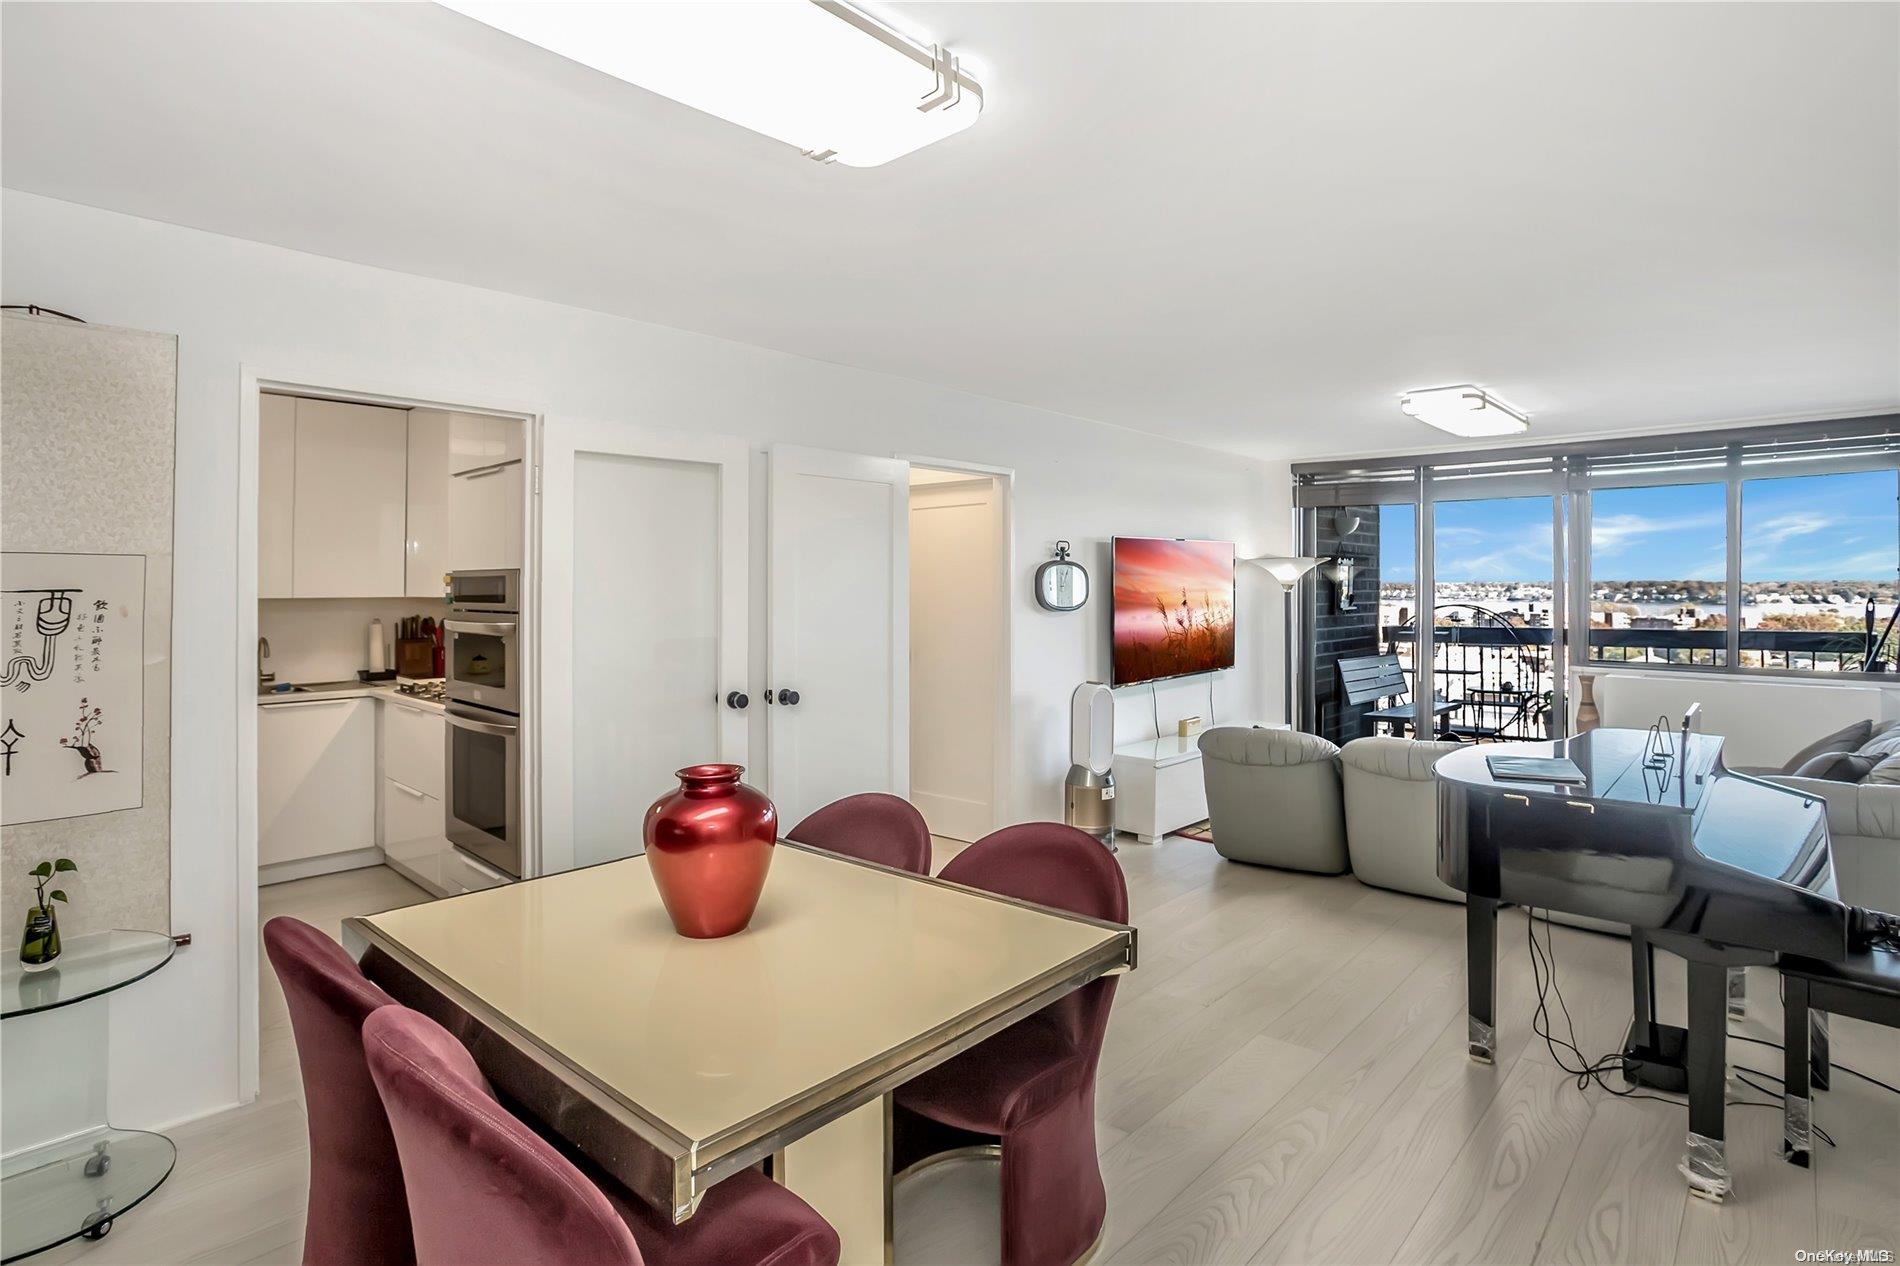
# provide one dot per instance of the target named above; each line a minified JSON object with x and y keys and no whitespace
{"x":415,"y":657}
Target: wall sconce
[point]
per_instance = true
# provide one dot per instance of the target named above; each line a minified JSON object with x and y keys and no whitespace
{"x":1339,"y":571}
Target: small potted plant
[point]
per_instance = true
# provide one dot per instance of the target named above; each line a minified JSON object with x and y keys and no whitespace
{"x":40,"y":944}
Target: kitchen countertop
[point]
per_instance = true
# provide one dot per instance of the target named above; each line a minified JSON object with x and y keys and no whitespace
{"x":350,"y":690}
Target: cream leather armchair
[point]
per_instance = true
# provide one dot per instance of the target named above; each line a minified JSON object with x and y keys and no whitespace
{"x":1273,"y":798}
{"x":1392,"y":814}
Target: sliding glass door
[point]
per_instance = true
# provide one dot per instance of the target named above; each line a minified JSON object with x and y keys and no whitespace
{"x":1494,"y":632}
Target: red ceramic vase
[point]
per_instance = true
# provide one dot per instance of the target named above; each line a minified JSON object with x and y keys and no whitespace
{"x":709,"y":844}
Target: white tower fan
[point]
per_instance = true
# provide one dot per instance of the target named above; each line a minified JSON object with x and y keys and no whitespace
{"x":1090,"y":788}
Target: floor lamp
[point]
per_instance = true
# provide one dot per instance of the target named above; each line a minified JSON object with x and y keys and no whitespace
{"x":1288,"y":572}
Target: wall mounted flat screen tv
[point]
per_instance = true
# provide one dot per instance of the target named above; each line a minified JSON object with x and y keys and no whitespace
{"x":1174,"y":608}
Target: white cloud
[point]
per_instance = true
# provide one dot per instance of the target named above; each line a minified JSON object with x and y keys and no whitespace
{"x":1785,"y":527}
{"x":1612,"y":533}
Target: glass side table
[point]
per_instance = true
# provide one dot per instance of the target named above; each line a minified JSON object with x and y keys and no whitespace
{"x":66,"y":1172}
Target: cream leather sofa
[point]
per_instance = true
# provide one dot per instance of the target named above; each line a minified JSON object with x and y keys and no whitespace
{"x":1273,"y":798}
{"x":1863,"y":826}
{"x":1392,"y":814}
{"x":1392,"y":820}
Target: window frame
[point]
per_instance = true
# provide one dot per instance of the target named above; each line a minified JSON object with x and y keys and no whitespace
{"x":1573,"y":472}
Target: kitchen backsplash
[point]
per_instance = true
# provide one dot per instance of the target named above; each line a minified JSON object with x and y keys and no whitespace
{"x":327,"y":639}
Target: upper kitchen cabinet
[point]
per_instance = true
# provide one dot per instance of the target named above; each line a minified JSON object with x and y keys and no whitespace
{"x":349,"y":512}
{"x":276,"y":495}
{"x":477,"y":440}
{"x":486,"y":513}
{"x":427,"y":553}
{"x":487,"y":491}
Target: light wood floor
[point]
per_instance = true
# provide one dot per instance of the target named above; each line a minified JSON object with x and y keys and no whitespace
{"x":1284,"y":1081}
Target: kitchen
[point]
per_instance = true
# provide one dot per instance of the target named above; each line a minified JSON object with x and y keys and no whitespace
{"x":390,"y":672}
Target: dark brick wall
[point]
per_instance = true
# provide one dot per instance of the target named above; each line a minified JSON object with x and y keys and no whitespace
{"x":1331,"y":632}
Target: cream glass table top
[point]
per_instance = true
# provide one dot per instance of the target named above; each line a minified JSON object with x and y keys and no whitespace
{"x":851,"y":979}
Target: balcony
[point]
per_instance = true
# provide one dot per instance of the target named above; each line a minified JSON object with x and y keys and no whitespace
{"x":1504,"y":676}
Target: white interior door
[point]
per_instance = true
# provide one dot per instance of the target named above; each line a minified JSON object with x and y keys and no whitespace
{"x":838,"y":648}
{"x":956,"y":608}
{"x":644,"y":626}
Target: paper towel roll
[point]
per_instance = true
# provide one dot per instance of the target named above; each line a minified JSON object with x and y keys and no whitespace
{"x":376,"y":660}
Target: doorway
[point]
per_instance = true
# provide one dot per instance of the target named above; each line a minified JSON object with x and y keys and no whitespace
{"x":958,"y":647}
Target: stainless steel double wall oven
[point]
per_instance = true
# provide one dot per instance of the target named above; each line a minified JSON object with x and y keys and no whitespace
{"x":482,"y":650}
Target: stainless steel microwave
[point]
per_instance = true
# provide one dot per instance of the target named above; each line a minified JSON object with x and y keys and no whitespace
{"x":496,"y":589}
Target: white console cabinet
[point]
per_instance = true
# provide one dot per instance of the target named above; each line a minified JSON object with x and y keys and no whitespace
{"x":1158,"y":786}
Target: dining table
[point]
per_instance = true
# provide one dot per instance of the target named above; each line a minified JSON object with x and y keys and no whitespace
{"x":673,"y":1063}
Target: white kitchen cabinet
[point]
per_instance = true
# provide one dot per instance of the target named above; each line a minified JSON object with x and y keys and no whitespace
{"x":316,"y":779}
{"x":486,"y":513}
{"x":414,"y":757}
{"x":276,"y":494}
{"x":350,"y":502}
{"x":426,"y":549}
{"x":414,"y":747}
{"x":477,"y":440}
{"x":462,"y":873}
{"x":412,"y":828}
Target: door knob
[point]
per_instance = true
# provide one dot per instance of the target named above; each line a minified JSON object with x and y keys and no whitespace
{"x":737,"y":700}
{"x":788,"y":697}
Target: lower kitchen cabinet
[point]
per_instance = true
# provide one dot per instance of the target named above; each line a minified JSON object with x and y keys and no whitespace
{"x":414,"y":749}
{"x":412,"y":824}
{"x":316,"y":786}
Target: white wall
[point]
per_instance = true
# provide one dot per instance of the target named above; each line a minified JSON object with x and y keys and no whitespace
{"x":327,"y":639}
{"x":297,"y":317}
{"x":1762,"y":720}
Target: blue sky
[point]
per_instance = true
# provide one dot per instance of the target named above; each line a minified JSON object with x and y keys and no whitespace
{"x":1815,"y":527}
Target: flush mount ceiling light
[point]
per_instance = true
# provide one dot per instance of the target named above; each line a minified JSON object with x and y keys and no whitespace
{"x":823,"y":77}
{"x":1464,"y":410}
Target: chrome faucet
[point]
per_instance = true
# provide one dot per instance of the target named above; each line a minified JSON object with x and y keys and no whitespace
{"x":263,"y":653}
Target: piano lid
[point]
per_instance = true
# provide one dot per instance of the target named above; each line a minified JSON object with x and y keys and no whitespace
{"x":1613,"y":767}
{"x":1738,"y":821}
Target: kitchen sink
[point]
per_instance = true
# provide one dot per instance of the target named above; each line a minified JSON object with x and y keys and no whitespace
{"x":266,"y":691}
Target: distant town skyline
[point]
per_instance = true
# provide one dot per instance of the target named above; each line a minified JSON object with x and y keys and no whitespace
{"x":1818,"y":527}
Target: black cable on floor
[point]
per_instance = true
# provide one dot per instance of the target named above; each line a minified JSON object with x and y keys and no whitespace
{"x":1743,"y":1075}
{"x":1832,"y":1067}
{"x":1544,"y":974}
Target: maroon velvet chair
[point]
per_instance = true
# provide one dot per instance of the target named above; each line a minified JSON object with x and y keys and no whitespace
{"x":872,"y":827}
{"x":357,"y":1214}
{"x":483,"y":1187}
{"x":1033,"y":1085}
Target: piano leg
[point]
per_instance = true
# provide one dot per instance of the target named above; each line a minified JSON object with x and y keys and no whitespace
{"x":1705,"y":1163}
{"x":1481,"y":965}
{"x":1738,"y":992}
{"x":1819,"y":1067}
{"x":1797,"y":1105}
{"x":1643,"y":987}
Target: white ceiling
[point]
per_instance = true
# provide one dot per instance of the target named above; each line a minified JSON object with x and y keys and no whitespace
{"x":1248,"y":226}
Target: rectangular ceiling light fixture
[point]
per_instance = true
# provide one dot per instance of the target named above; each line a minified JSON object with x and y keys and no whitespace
{"x":1464,"y":410}
{"x":823,"y":77}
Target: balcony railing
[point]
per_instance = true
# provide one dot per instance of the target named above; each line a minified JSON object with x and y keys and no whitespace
{"x":1505,"y":676}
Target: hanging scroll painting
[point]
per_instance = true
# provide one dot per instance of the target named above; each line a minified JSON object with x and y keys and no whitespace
{"x":71,"y":706}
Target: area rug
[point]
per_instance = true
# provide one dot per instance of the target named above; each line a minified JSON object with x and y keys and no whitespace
{"x":1201,"y":831}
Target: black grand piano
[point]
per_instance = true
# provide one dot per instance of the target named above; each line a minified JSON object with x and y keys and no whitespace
{"x":1721,"y":868}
